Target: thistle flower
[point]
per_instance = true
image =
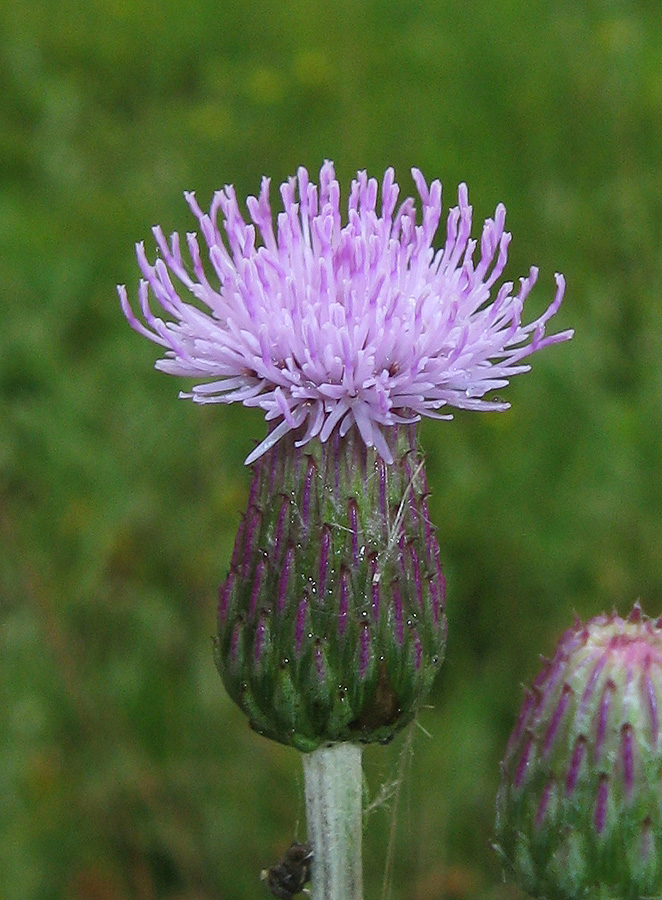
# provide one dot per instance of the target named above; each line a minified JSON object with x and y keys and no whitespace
{"x":331,"y":619}
{"x":331,"y":326}
{"x":578,"y":809}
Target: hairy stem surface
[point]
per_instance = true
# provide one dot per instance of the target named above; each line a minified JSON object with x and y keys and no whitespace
{"x":334,"y":791}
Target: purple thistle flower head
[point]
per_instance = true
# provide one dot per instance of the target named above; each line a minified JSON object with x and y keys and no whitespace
{"x":325,"y":326}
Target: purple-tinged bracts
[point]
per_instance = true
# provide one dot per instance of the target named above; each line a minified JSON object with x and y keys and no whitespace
{"x":331,"y":620}
{"x":579,"y":810}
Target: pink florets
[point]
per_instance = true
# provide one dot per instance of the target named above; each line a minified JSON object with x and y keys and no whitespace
{"x":337,"y":325}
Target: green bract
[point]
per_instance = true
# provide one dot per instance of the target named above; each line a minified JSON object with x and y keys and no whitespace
{"x":331,"y":619}
{"x":579,"y":809}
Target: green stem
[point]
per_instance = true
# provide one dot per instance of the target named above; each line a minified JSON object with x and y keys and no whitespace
{"x":334,"y":792}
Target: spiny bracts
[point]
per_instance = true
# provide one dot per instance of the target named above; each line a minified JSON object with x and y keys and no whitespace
{"x":579,"y":809}
{"x":331,"y":619}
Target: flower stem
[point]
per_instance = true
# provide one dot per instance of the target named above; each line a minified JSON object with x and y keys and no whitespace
{"x":334,"y":791}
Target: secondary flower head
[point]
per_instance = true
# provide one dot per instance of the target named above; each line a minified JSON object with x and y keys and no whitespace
{"x":578,"y":810}
{"x":326,"y":325}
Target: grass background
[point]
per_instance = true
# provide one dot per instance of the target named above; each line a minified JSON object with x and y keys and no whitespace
{"x":124,"y":770}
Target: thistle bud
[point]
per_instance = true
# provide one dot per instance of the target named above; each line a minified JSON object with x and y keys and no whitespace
{"x":331,"y":619}
{"x":579,"y":809}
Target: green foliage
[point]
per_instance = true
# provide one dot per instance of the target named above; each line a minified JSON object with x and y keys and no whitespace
{"x":125,"y":770}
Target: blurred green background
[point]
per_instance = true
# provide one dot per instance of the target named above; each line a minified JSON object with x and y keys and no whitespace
{"x":124,"y":770}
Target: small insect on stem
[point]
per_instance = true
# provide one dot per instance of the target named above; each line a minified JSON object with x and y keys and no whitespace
{"x":291,"y":874}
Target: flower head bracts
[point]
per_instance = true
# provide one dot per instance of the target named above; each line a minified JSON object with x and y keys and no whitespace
{"x":329,"y":325}
{"x":578,"y":808}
